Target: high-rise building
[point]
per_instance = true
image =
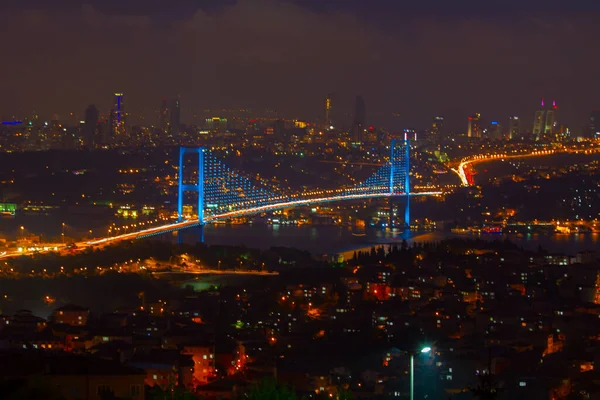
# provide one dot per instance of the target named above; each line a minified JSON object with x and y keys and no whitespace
{"x":175,"y":117}
{"x":437,"y":126}
{"x":328,"y":109}
{"x":118,"y":128}
{"x":495,"y":131}
{"x":595,"y":124}
{"x":544,"y":122}
{"x":90,"y":127}
{"x":358,"y":126}
{"x":514,"y":127}
{"x":163,"y":116}
{"x":474,"y":129}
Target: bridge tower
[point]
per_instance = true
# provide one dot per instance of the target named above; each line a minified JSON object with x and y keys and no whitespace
{"x":197,"y":187}
{"x":400,"y":171}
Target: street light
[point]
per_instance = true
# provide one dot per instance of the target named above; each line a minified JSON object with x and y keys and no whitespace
{"x":424,"y":350}
{"x":63,"y":233}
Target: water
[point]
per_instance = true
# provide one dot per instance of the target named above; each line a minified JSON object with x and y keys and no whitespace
{"x":317,"y":239}
{"x":321,"y":240}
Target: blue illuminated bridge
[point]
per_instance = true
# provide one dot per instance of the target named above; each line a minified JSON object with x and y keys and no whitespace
{"x":224,"y":193}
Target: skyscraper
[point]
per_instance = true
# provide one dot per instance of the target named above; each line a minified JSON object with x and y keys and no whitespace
{"x":544,"y":122}
{"x":118,"y":129}
{"x":514,"y":127}
{"x":437,"y":126}
{"x":90,"y":128}
{"x":358,"y":126}
{"x":495,"y":131}
{"x":328,"y":107}
{"x":175,"y":117}
{"x":474,"y":128}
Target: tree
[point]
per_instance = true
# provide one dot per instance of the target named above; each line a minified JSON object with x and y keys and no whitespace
{"x":404,"y":245}
{"x":268,"y":389}
{"x":344,"y":394}
{"x":170,"y":393}
{"x":486,"y":388}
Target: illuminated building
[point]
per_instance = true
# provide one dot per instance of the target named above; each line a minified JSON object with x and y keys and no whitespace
{"x":358,"y":126}
{"x":90,"y":127}
{"x":8,"y":209}
{"x":118,"y":130}
{"x":514,"y":127}
{"x":300,"y":124}
{"x":216,"y":124}
{"x":71,"y":315}
{"x":544,"y":122}
{"x":474,"y":129}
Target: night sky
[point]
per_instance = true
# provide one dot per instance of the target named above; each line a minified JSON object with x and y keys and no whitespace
{"x":417,"y":58}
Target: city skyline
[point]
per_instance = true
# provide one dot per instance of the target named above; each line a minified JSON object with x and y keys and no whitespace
{"x":230,"y":57}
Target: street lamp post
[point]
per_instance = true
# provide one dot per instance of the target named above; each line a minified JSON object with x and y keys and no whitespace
{"x":412,"y":371}
{"x":63,"y":233}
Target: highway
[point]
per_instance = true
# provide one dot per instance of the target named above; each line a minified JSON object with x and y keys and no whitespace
{"x":460,"y":170}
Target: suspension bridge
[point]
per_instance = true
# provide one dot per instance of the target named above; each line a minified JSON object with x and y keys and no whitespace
{"x":223,"y":193}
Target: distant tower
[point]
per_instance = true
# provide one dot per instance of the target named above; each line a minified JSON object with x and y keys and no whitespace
{"x":358,"y":126}
{"x":118,"y":130}
{"x":328,"y":106}
{"x":474,"y":129}
{"x":544,"y":122}
{"x":90,"y":128}
{"x":514,"y":128}
{"x":175,"y":117}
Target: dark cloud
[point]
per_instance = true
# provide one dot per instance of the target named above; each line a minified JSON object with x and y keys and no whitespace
{"x":413,"y":58}
{"x":391,"y":8}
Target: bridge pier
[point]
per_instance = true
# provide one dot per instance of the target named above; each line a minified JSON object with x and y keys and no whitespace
{"x":197,"y":187}
{"x":407,"y":182}
{"x":201,"y":233}
{"x":396,"y":212}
